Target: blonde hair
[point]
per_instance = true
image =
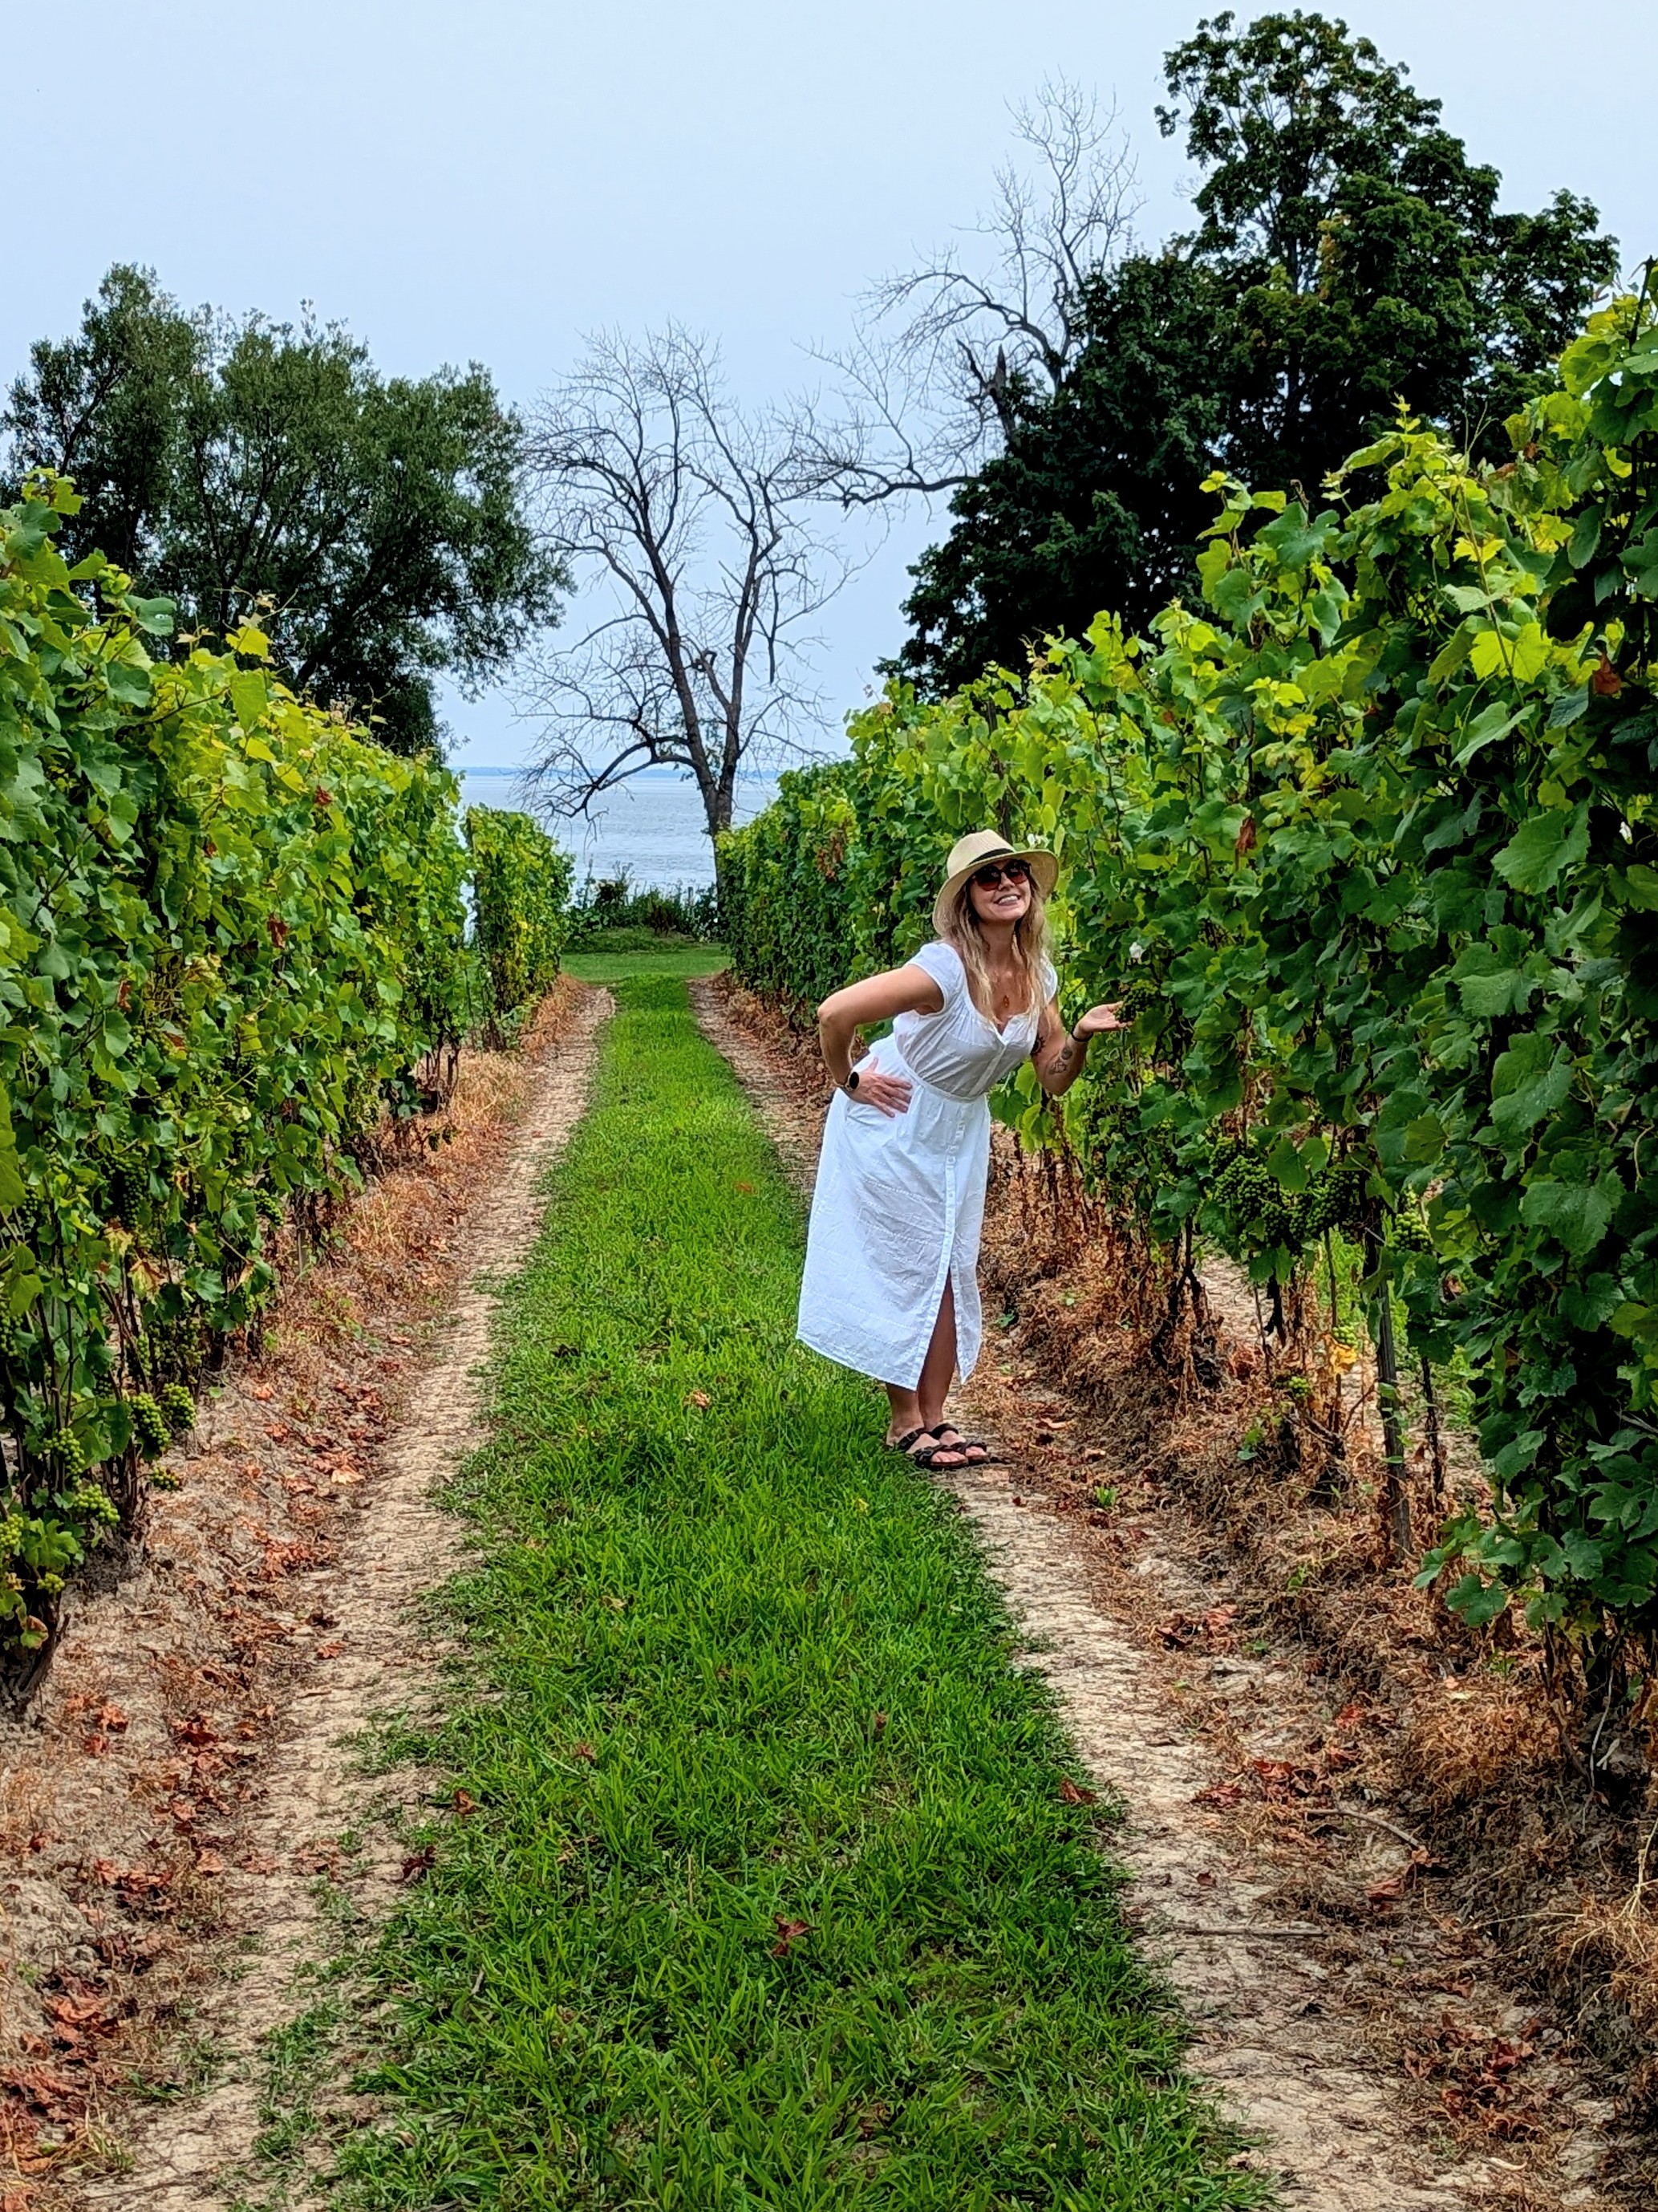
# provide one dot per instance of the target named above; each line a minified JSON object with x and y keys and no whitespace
{"x":965,"y":934}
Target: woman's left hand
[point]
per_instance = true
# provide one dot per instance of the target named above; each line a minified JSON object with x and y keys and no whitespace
{"x":1098,"y":1019}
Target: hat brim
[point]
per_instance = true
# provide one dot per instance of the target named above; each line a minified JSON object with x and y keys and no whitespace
{"x":1042,"y":865}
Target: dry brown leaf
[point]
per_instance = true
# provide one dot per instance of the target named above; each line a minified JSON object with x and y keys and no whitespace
{"x":789,"y":1933}
{"x":1219,"y":1793}
{"x":1284,"y":1779}
{"x":1391,"y":1886}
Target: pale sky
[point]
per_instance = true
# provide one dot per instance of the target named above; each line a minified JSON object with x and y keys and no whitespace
{"x":489,"y":180}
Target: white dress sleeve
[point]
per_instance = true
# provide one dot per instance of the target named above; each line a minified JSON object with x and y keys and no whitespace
{"x":1050,"y":980}
{"x":943,"y":964}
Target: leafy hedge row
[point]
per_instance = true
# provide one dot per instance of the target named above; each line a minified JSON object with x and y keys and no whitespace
{"x":520,"y":901}
{"x":231,"y":936}
{"x":1367,"y":841}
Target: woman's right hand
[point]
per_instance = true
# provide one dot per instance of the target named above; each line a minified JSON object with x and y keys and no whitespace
{"x":889,"y":1094}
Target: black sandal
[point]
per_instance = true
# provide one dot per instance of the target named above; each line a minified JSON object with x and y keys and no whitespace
{"x":922,"y":1458}
{"x":964,"y":1445}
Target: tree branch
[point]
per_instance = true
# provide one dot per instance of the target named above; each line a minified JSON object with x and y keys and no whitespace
{"x":690,"y":525}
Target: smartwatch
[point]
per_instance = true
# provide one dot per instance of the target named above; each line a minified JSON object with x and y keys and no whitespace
{"x":851,"y":1083}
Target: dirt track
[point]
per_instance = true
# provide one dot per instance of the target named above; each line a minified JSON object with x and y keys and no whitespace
{"x":381,"y":1661}
{"x":372,"y":1659}
{"x":1288,"y":2033}
{"x":1290,"y":2029}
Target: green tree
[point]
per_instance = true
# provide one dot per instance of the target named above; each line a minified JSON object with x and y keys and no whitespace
{"x":1348,"y":254}
{"x":374,"y":526}
{"x":1095,"y":501}
{"x":1365,"y":251}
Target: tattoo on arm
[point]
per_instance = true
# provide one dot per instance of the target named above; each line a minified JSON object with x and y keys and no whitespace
{"x":1067,"y":1054}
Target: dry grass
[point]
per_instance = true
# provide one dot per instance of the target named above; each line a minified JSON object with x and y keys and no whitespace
{"x":1475,"y":1754}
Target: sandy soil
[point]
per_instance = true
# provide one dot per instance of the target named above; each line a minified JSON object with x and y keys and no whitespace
{"x":276,"y":1831}
{"x":1346,"y":2048}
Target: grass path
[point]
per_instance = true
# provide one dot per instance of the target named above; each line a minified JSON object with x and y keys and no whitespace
{"x":665,"y":960}
{"x":770,"y":1898}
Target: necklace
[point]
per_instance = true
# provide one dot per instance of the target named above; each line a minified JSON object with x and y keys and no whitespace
{"x":1004,"y":989}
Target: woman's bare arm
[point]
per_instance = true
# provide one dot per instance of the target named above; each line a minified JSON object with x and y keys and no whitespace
{"x":1059,"y":1053}
{"x":877,"y":999}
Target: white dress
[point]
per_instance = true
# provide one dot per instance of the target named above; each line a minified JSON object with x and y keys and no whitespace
{"x":899,"y":1201}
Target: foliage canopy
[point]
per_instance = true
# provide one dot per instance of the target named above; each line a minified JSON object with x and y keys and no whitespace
{"x":1349,"y":253}
{"x":257,"y":471}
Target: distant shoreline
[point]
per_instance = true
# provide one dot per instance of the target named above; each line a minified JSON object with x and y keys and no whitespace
{"x":650,"y":829}
{"x":639,"y":776}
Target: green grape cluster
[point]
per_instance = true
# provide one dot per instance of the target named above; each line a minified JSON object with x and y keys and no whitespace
{"x":1338,"y":1198}
{"x":64,"y":1447}
{"x":1262,"y":1215}
{"x":1408,"y":1232}
{"x":129,"y":1193}
{"x":178,"y":1409}
{"x":91,"y":1501}
{"x":149,"y":1425}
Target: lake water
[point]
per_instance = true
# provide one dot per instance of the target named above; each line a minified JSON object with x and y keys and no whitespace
{"x":650,"y":829}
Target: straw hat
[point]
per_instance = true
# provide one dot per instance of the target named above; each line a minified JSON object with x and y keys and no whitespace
{"x":969,"y":854}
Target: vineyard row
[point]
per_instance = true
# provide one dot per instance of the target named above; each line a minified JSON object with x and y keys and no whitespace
{"x":1365,"y":838}
{"x":235,"y":956}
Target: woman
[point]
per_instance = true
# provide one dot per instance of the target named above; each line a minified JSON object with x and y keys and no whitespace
{"x":891,"y":1282}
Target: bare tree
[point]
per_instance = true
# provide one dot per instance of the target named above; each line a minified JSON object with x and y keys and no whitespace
{"x":944,"y":354}
{"x":690,"y":522}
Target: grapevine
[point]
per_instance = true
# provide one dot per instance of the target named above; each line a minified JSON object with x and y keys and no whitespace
{"x":1366,"y":839}
{"x":234,"y":940}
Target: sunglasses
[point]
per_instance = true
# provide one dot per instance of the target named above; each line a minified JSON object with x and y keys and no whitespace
{"x":1016,"y":871}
